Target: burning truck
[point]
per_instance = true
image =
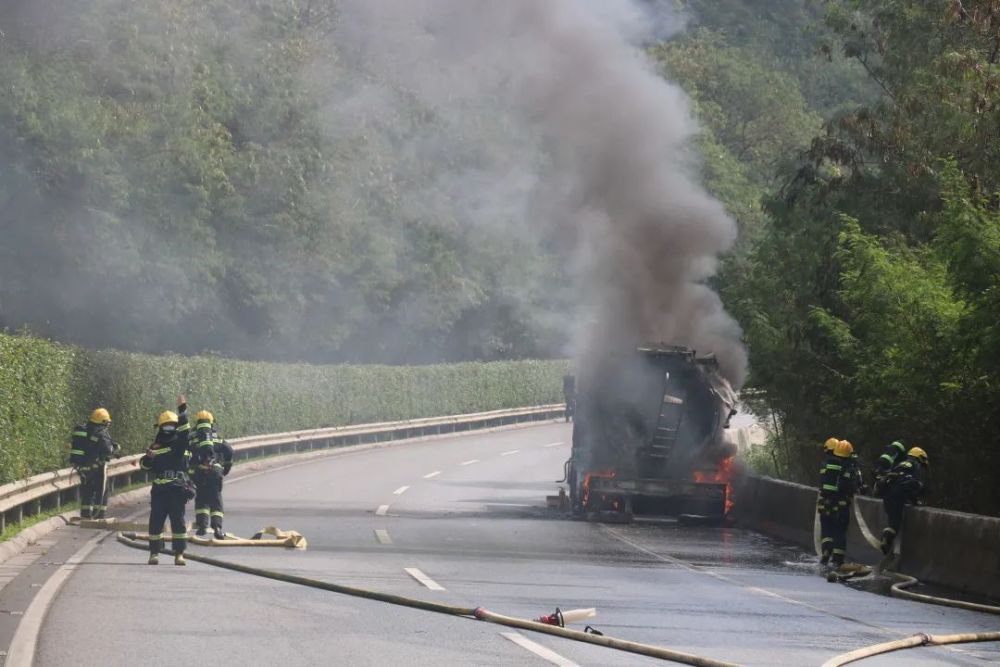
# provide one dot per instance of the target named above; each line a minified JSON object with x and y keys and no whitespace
{"x":648,"y":436}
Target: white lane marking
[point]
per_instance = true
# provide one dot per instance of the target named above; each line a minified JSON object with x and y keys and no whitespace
{"x":432,"y":474}
{"x":469,"y":462}
{"x":721,"y":577}
{"x":400,"y":491}
{"x":381,"y":511}
{"x":21,"y":652}
{"x":423,"y":578}
{"x":554,"y":444}
{"x":382,"y":535}
{"x":542,"y":652}
{"x":513,"y":451}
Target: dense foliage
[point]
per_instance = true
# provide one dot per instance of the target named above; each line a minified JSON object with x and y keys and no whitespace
{"x":46,"y":388}
{"x":870,"y":303}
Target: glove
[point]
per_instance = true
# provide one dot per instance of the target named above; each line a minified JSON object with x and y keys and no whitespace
{"x":226,"y":468}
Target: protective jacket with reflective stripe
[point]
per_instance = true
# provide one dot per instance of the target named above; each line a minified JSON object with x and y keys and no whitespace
{"x":170,"y":449}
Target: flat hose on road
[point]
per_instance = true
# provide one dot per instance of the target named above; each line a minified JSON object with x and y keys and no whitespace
{"x":910,"y":642}
{"x":451,"y":610}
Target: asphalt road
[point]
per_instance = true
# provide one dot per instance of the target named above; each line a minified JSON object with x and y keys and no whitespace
{"x":467,"y":515}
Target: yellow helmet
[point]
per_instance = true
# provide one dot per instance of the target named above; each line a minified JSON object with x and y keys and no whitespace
{"x":844,"y":449}
{"x":830,"y":445}
{"x":919,"y":454}
{"x":100,"y":416}
{"x":166,"y":417}
{"x":204,"y":416}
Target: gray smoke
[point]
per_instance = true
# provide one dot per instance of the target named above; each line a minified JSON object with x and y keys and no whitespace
{"x":584,"y":144}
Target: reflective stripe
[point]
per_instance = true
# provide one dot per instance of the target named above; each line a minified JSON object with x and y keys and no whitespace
{"x":899,"y":445}
{"x":82,"y":434}
{"x":166,"y":450}
{"x":826,"y":539}
{"x":163,"y":481}
{"x":829,"y":487}
{"x":156,"y":537}
{"x":93,"y":438}
{"x":186,"y":427}
{"x":205,"y":511}
{"x":218,"y":514}
{"x":77,"y":451}
{"x":839,"y":552}
{"x":887,"y":457}
{"x":833,"y":466}
{"x":179,"y":536}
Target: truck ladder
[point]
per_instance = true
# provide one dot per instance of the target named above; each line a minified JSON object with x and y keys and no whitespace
{"x":668,"y":425}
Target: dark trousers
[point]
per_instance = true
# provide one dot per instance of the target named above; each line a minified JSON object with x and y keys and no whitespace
{"x":895,"y":502}
{"x":208,"y":501}
{"x":167,"y":500}
{"x":834,"y":520}
{"x":94,"y":490}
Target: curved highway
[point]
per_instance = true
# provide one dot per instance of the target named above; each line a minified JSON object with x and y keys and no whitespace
{"x":462,"y":520}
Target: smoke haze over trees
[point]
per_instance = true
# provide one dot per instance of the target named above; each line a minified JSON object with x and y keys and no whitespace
{"x":376,"y":181}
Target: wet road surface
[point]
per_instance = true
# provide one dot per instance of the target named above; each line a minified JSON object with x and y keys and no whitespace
{"x":463,"y":521}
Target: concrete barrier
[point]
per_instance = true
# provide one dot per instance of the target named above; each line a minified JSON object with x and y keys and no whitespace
{"x":954,"y":549}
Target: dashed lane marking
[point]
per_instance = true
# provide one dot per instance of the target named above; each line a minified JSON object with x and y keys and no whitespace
{"x":423,"y":579}
{"x":382,"y":510}
{"x":432,"y":474}
{"x":400,"y":491}
{"x":542,"y":652}
{"x":554,"y":444}
{"x":382,"y":535}
{"x":513,"y":451}
{"x":469,"y":462}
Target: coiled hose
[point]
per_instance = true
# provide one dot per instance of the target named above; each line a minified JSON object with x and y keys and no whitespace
{"x":128,"y":539}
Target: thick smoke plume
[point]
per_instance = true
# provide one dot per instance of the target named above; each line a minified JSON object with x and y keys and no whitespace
{"x":353,"y":180}
{"x":595,"y":154}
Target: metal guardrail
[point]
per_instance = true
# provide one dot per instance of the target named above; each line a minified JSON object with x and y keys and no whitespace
{"x":51,"y":490}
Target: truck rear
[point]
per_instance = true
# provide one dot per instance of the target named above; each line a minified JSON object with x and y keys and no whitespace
{"x":648,"y":436}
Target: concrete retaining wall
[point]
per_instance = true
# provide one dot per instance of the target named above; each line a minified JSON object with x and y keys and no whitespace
{"x":954,"y":549}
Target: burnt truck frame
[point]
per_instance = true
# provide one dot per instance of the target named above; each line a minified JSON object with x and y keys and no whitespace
{"x":648,"y":426}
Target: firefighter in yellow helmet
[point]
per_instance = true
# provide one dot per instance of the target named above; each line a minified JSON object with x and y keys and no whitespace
{"x":211,"y":460}
{"x":905,"y":484}
{"x":167,"y":458}
{"x":90,"y":449}
{"x":838,"y":484}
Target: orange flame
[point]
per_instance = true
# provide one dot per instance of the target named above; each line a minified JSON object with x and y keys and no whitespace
{"x":722,"y":475}
{"x":586,"y":482}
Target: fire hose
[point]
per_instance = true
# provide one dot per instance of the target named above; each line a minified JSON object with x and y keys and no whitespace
{"x":916,"y":640}
{"x":897,"y":589}
{"x":477,"y":613}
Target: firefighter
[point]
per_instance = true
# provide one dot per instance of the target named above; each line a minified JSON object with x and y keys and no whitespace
{"x":569,"y":395}
{"x":904,"y":485}
{"x":894,"y":452}
{"x":89,"y":453}
{"x":167,"y":457}
{"x":211,"y":460}
{"x":838,"y":484}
